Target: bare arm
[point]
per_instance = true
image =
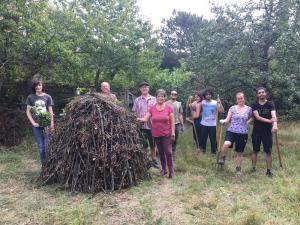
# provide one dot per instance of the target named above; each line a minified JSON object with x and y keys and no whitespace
{"x":220,"y":107}
{"x":29,"y":116}
{"x":145,"y":119}
{"x":228,"y":117}
{"x":172,"y":120}
{"x":50,"y":109}
{"x":181,"y":118}
{"x":259,"y":118}
{"x":274,"y":120}
{"x":250,"y":120}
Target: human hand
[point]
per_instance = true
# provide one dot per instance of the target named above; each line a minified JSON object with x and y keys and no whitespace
{"x":182,"y":127}
{"x":35,"y":124}
{"x":274,"y":129}
{"x":173,"y":137}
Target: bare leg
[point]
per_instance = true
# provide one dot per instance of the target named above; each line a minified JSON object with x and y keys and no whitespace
{"x":153,"y":153}
{"x":225,"y":148}
{"x":254,"y":159}
{"x":238,"y":159}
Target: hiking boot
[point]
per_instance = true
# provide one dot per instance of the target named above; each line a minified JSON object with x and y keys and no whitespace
{"x":269,"y":174}
{"x":238,"y":169}
{"x":155,"y":164}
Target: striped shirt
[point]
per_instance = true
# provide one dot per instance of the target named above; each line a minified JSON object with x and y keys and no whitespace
{"x":141,"y":106}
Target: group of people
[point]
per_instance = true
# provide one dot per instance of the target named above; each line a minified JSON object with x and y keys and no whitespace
{"x":204,"y":114}
{"x":162,"y":119}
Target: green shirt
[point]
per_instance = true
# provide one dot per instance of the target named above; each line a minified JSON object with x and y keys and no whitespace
{"x":177,"y":108}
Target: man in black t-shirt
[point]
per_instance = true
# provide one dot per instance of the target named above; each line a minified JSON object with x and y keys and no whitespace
{"x":265,"y":123}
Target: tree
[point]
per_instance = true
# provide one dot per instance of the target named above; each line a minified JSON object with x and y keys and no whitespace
{"x":250,"y":46}
{"x":178,"y":35}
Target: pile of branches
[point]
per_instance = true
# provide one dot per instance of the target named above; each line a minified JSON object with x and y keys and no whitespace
{"x":96,"y":147}
{"x":12,"y":127}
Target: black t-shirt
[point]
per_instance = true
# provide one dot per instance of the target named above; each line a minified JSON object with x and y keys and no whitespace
{"x":265,"y":112}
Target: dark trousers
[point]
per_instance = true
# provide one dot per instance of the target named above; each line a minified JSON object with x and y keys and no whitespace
{"x":211,"y":132}
{"x":164,"y":146}
{"x":174,"y":143}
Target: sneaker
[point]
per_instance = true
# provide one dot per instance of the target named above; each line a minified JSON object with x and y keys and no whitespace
{"x":155,"y":164}
{"x":171,"y":175}
{"x":253,"y":170}
{"x":221,"y":160}
{"x":269,"y":174}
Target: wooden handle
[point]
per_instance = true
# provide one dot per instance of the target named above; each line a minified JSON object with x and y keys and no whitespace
{"x":278,"y":151}
{"x":220,"y":138}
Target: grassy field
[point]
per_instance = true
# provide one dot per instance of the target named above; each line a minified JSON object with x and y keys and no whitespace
{"x":197,"y":195}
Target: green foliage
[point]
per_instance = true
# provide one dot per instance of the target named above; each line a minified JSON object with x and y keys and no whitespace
{"x":76,"y":42}
{"x":43,"y":117}
{"x":253,"y":45}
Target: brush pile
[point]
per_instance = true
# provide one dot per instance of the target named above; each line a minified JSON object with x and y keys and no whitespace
{"x":96,"y":147}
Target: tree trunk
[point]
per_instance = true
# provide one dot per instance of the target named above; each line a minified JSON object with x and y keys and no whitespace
{"x":97,"y":80}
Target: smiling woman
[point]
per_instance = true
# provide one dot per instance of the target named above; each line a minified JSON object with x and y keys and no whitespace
{"x":40,"y":114}
{"x":163,"y":130}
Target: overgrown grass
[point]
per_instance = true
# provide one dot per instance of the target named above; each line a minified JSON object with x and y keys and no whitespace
{"x":198,"y":194}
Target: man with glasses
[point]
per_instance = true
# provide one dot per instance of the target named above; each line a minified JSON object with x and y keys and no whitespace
{"x":210,"y":110}
{"x":177,"y":110}
{"x":140,"y":108}
{"x":265,"y":123}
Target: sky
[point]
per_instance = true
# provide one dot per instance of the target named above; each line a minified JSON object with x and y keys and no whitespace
{"x":156,"y":10}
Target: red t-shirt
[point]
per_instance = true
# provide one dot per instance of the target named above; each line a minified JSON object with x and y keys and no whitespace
{"x":161,"y":124}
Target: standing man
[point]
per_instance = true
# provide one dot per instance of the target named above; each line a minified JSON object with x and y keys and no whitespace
{"x":210,"y":110}
{"x":177,"y":110}
{"x":105,"y":89}
{"x":140,"y":107}
{"x":265,"y":123}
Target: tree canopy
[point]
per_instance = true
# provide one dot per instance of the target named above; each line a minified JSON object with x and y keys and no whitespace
{"x":83,"y":42}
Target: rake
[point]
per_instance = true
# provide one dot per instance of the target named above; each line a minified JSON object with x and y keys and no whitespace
{"x":217,"y":165}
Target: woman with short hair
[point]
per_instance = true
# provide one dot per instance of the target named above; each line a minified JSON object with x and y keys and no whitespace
{"x":38,"y":102}
{"x":163,"y":130}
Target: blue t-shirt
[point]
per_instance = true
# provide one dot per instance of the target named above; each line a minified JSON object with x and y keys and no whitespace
{"x":209,"y":113}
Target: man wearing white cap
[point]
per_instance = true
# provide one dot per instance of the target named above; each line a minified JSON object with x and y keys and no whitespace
{"x":177,"y":107}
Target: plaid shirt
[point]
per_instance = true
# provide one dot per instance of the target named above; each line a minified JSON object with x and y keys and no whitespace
{"x":141,"y":106}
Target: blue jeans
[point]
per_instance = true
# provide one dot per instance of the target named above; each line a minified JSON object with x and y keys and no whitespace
{"x":42,"y":141}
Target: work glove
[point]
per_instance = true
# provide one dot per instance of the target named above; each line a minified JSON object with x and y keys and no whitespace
{"x":222,"y":121}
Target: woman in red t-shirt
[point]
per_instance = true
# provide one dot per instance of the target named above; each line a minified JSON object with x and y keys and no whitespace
{"x":163,"y":130}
